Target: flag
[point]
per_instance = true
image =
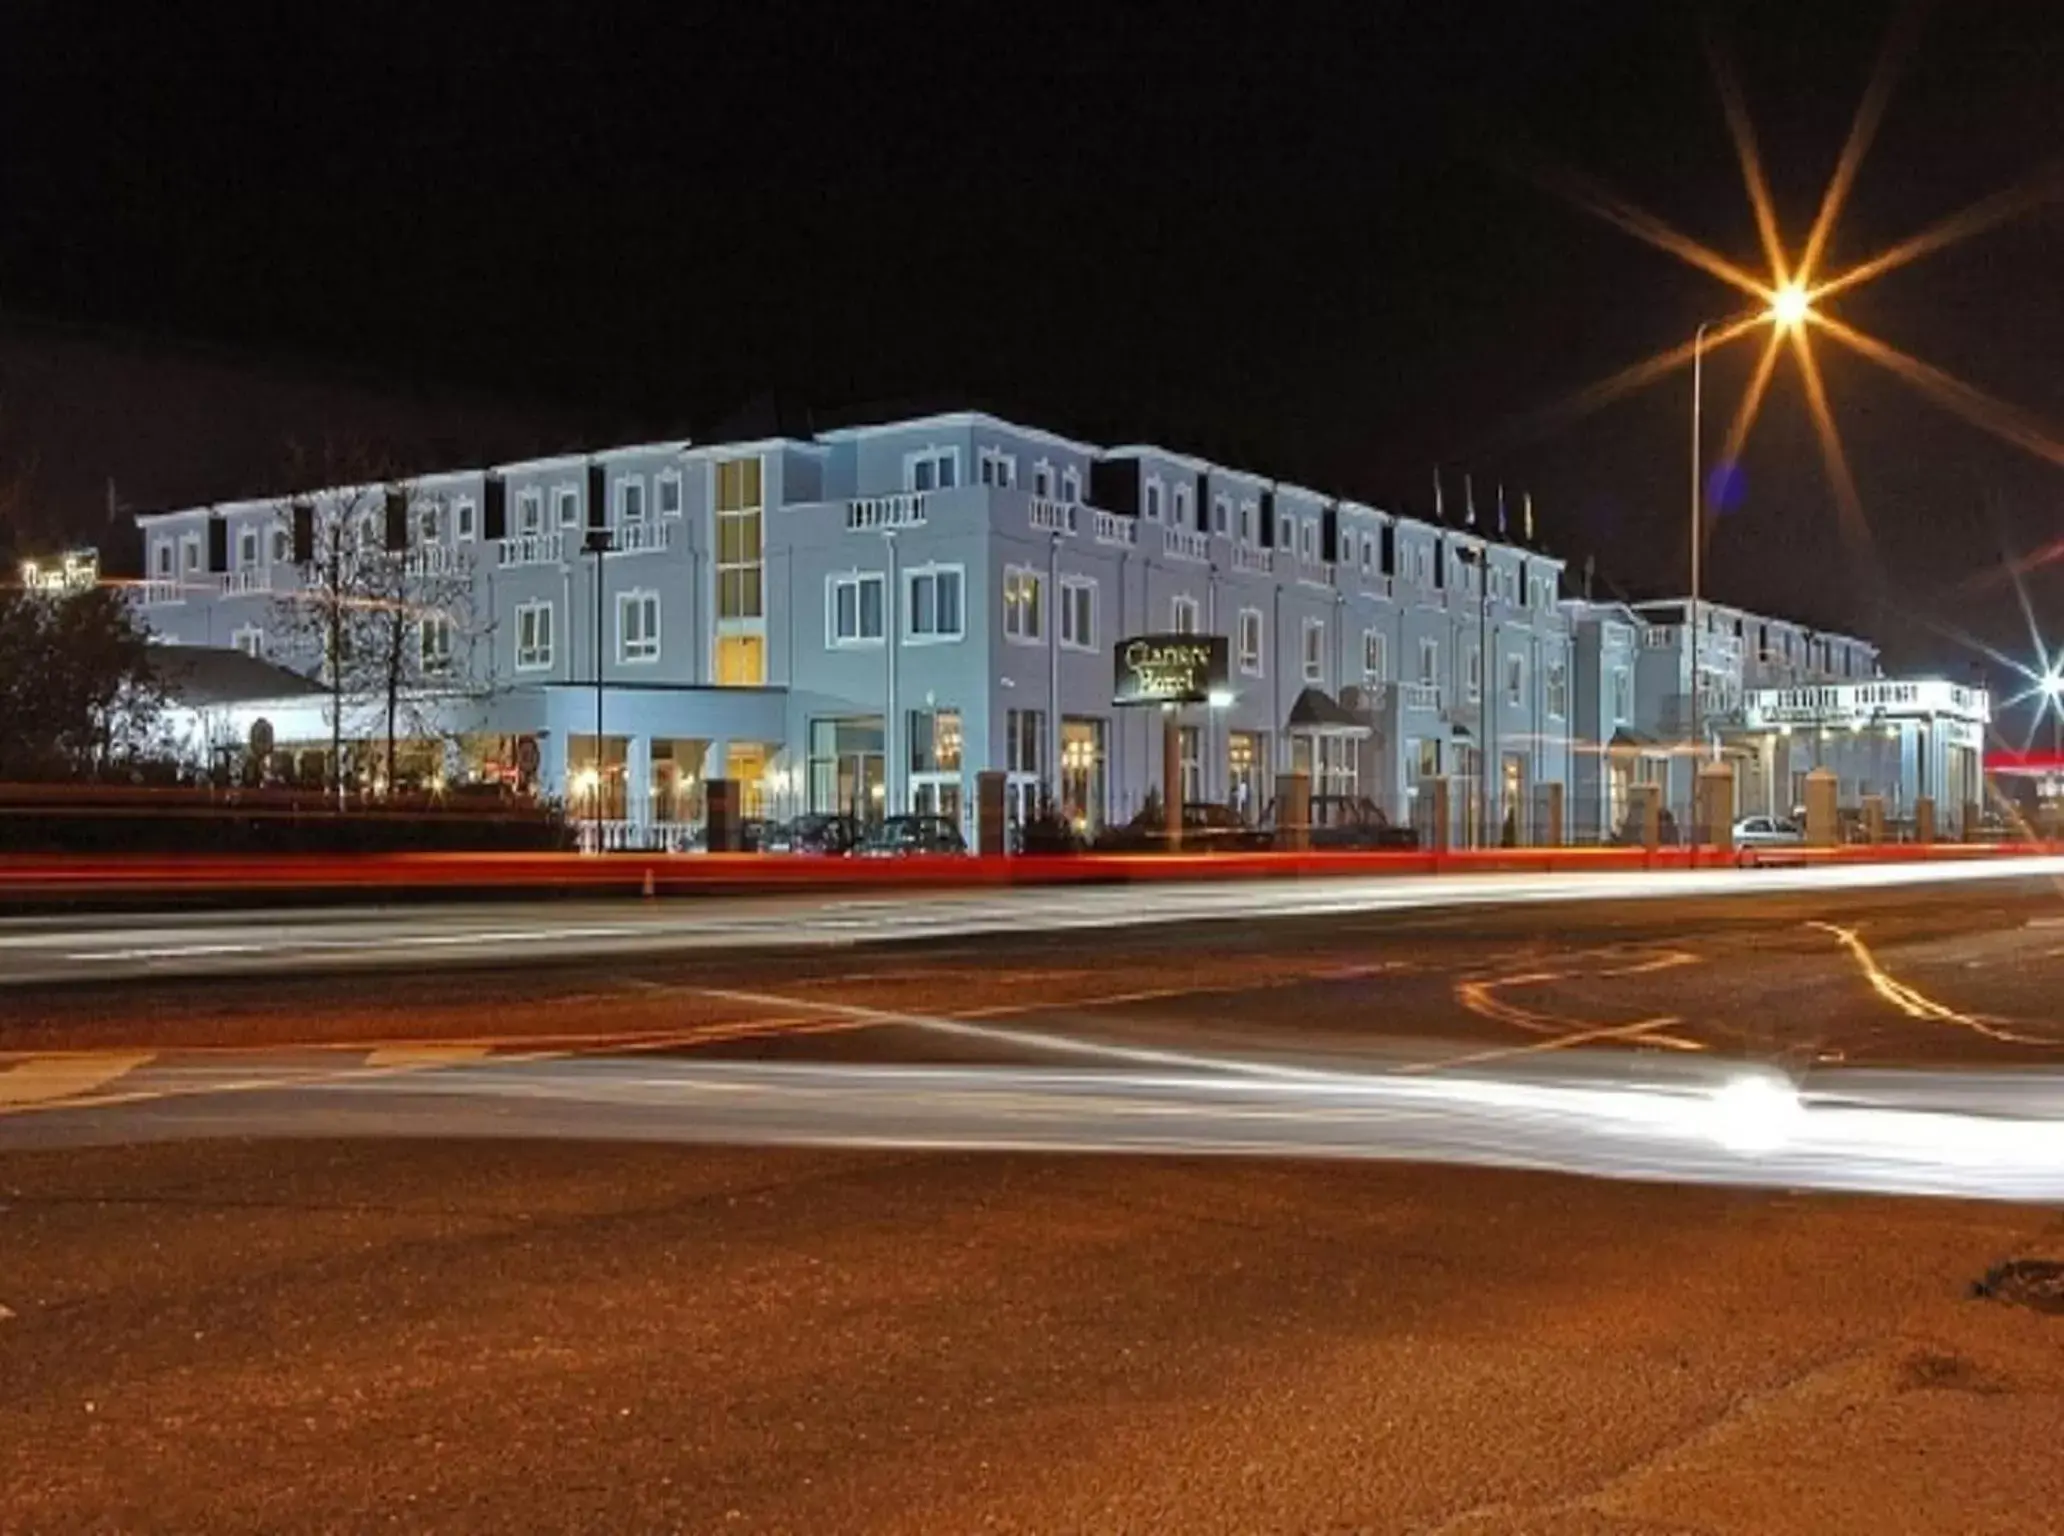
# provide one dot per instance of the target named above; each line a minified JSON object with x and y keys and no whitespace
{"x":1528,"y":513}
{"x":1468,"y":502}
{"x":1501,"y":509}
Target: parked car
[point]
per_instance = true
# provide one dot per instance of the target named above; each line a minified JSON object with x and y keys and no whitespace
{"x":819,"y":833}
{"x":1767,"y":832}
{"x":1205,"y":829}
{"x":1355,"y":821}
{"x":901,"y":836}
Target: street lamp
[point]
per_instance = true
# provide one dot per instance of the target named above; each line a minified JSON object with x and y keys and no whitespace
{"x":599,"y":542}
{"x":1791,"y":306}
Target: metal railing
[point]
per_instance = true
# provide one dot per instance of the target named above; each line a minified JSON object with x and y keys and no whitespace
{"x":532,"y":549}
{"x":904,"y":509}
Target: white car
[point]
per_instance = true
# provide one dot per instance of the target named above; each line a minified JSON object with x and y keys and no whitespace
{"x":1767,"y":832}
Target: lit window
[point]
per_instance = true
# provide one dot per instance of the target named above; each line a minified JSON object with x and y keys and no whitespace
{"x":1078,"y":614}
{"x":637,"y":626}
{"x":740,"y":540}
{"x":1021,"y":605}
{"x":741,"y":661}
{"x":856,"y":615}
{"x":934,"y":604}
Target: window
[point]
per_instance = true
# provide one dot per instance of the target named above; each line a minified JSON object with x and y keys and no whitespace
{"x":741,"y":661}
{"x":998,"y":468}
{"x":282,"y":546}
{"x":1472,"y":675}
{"x":533,"y":636}
{"x":1558,"y":689}
{"x":1286,"y":532}
{"x":1078,"y":613}
{"x":427,"y":525}
{"x":1042,"y":480}
{"x":567,"y":500}
{"x":637,"y":626}
{"x":436,"y":637}
{"x":1021,"y":605}
{"x":1190,"y":755}
{"x":1375,"y":658}
{"x":250,"y":640}
{"x":190,"y":553}
{"x":739,"y":540}
{"x":1025,"y":740}
{"x":1221,"y":514}
{"x":1071,"y":485}
{"x":1515,"y":681}
{"x":1180,"y":506}
{"x":465,"y":517}
{"x":530,"y":514}
{"x":1429,"y":663}
{"x":1314,"y":650}
{"x":1224,"y":525}
{"x":1153,"y":502}
{"x":630,"y":499}
{"x":163,"y":564}
{"x":854,"y":610}
{"x":247,"y":548}
{"x":1622,"y":696}
{"x":931,"y":469}
{"x":1185,"y":616}
{"x":668,"y":490}
{"x":1310,"y":546}
{"x":1250,"y":641}
{"x":933,"y":608}
{"x":1248,"y":524}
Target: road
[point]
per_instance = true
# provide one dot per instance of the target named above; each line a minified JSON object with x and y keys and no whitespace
{"x":803,"y":1237}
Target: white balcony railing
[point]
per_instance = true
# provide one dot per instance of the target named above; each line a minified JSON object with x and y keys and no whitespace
{"x":1255,"y":562}
{"x":1419,"y":695}
{"x":1054,"y":516}
{"x":432,"y":560}
{"x":252,"y":578}
{"x":643,"y":538}
{"x":1315,"y":573}
{"x":162,"y":593}
{"x":1110,"y":528}
{"x":533,"y":549}
{"x":1186,"y":544}
{"x":905,"y":509}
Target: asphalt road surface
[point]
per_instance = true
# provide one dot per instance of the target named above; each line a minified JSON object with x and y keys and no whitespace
{"x":1198,"y":1219}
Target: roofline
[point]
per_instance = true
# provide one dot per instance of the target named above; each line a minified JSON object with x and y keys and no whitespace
{"x":751,"y":445}
{"x":1186,"y":460}
{"x":675,"y":445}
{"x":958,"y":419}
{"x":1760,"y":618}
{"x":534,"y":466}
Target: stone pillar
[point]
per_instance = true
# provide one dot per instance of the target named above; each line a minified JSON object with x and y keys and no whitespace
{"x":1645,"y":811}
{"x":1171,"y":777}
{"x":991,"y":820}
{"x":1924,"y":819}
{"x":1715,"y":808}
{"x":637,"y":769}
{"x":1293,"y":811}
{"x":1874,"y":819}
{"x":1823,"y":821}
{"x":723,"y":802}
{"x":1440,"y":821}
{"x":1551,"y":816}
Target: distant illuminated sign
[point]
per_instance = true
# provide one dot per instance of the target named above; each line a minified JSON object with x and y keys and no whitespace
{"x":74,"y":571}
{"x":1844,"y":704}
{"x":1170,"y":669}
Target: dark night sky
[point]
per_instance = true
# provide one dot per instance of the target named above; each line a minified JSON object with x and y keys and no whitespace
{"x":1297,"y":246}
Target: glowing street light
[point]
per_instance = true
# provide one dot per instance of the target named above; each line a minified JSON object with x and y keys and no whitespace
{"x":1791,"y":306}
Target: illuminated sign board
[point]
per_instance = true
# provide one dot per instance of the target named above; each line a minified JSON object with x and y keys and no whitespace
{"x":1170,"y":669}
{"x":1847,"y":704}
{"x":73,"y":572}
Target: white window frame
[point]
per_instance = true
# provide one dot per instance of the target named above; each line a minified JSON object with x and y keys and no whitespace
{"x":1152,"y":498}
{"x":912,"y":635}
{"x":465,"y":519}
{"x":669,"y":480}
{"x":281,"y":545}
{"x":933,"y":457}
{"x":1286,"y":533}
{"x":1622,"y":696}
{"x":247,"y":548}
{"x":1071,"y":485}
{"x":624,"y":487}
{"x":1185,"y":615}
{"x":540,"y":655}
{"x":530,"y":512}
{"x":442,"y":664}
{"x":429,"y":526}
{"x":1308,"y":540}
{"x":1558,"y":690}
{"x":1515,"y":680}
{"x":1043,"y":479}
{"x":994,"y":467}
{"x":1179,"y":500}
{"x":1472,"y":673}
{"x":165,"y":552}
{"x":565,"y":498}
{"x":1020,"y":634}
{"x":1253,"y":659}
{"x":190,"y":555}
{"x":859,"y":581}
{"x":1375,"y":656}
{"x":647,"y":652}
{"x":1250,"y":522}
{"x":1315,"y":659}
{"x":1429,"y":662}
{"x":249,"y":639}
{"x":1074,"y":636}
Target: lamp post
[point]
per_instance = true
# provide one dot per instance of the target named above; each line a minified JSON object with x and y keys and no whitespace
{"x":598,"y":543}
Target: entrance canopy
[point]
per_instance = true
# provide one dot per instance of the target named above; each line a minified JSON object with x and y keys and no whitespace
{"x":1318,"y":713}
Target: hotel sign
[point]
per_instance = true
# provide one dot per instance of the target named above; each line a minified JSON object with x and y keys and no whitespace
{"x":1170,"y":669}
{"x":1836,"y":705}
